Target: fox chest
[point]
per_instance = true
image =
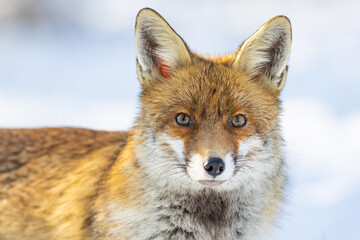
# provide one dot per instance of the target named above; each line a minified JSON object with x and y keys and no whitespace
{"x":179,"y":222}
{"x":187,"y":218}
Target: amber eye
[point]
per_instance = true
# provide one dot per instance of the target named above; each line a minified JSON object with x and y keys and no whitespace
{"x":183,"y":119}
{"x":238,"y":121}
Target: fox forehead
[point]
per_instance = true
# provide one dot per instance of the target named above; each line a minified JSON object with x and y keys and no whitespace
{"x":209,"y":90}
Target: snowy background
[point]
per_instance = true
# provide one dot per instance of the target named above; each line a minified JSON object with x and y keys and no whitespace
{"x":72,"y":63}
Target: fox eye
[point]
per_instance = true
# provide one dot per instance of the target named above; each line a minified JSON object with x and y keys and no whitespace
{"x":238,"y":121}
{"x":183,"y":119}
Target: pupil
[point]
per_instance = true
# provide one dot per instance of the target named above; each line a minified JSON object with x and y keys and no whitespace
{"x":183,"y":119}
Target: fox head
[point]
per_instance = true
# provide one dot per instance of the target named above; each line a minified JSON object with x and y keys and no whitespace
{"x":210,"y":122}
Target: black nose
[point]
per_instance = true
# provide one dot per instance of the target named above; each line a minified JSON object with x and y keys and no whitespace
{"x":215,"y":166}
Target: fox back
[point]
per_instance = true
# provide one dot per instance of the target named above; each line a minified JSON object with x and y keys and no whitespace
{"x":203,"y":161}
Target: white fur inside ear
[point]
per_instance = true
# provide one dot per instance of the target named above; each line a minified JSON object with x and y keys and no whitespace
{"x":267,"y":50}
{"x":156,"y":43}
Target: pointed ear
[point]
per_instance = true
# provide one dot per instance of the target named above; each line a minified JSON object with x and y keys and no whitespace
{"x":159,"y":49}
{"x":265,"y":54}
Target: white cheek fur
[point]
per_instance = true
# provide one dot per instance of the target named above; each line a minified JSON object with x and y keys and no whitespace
{"x":254,"y":168}
{"x":248,"y":145}
{"x":176,"y":145}
{"x":229,"y":168}
{"x":195,"y":166}
{"x":196,"y":169}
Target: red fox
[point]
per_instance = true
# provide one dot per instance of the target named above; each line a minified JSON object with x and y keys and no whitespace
{"x":203,"y":161}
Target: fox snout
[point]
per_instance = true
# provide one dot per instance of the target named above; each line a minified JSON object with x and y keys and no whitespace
{"x":214,"y":166}
{"x":211,"y":170}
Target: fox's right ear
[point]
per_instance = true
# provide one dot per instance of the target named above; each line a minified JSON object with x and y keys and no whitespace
{"x":159,"y":49}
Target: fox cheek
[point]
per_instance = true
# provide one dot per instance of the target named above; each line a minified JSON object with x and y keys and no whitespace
{"x":176,"y":146}
{"x":249,"y":145}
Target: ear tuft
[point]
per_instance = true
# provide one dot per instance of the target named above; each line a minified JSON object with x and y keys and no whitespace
{"x":265,"y":54}
{"x":159,"y":49}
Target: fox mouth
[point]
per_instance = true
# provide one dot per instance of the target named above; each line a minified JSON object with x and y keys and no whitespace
{"x":211,"y":183}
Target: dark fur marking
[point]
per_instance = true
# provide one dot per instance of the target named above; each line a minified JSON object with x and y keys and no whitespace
{"x":207,"y":208}
{"x":11,"y":166}
{"x":136,"y":163}
{"x":176,"y":232}
{"x":266,"y":142}
{"x":282,"y":76}
{"x":238,"y":233}
{"x":203,"y":113}
{"x":210,"y":210}
{"x":213,"y":92}
{"x":8,"y":180}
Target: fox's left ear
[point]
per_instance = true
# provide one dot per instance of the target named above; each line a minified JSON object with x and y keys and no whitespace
{"x":265,"y":54}
{"x":159,"y":49}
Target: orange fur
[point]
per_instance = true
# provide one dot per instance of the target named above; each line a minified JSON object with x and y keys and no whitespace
{"x":68,"y":183}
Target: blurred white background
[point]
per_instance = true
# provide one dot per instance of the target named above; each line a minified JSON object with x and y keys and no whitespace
{"x":72,"y":63}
